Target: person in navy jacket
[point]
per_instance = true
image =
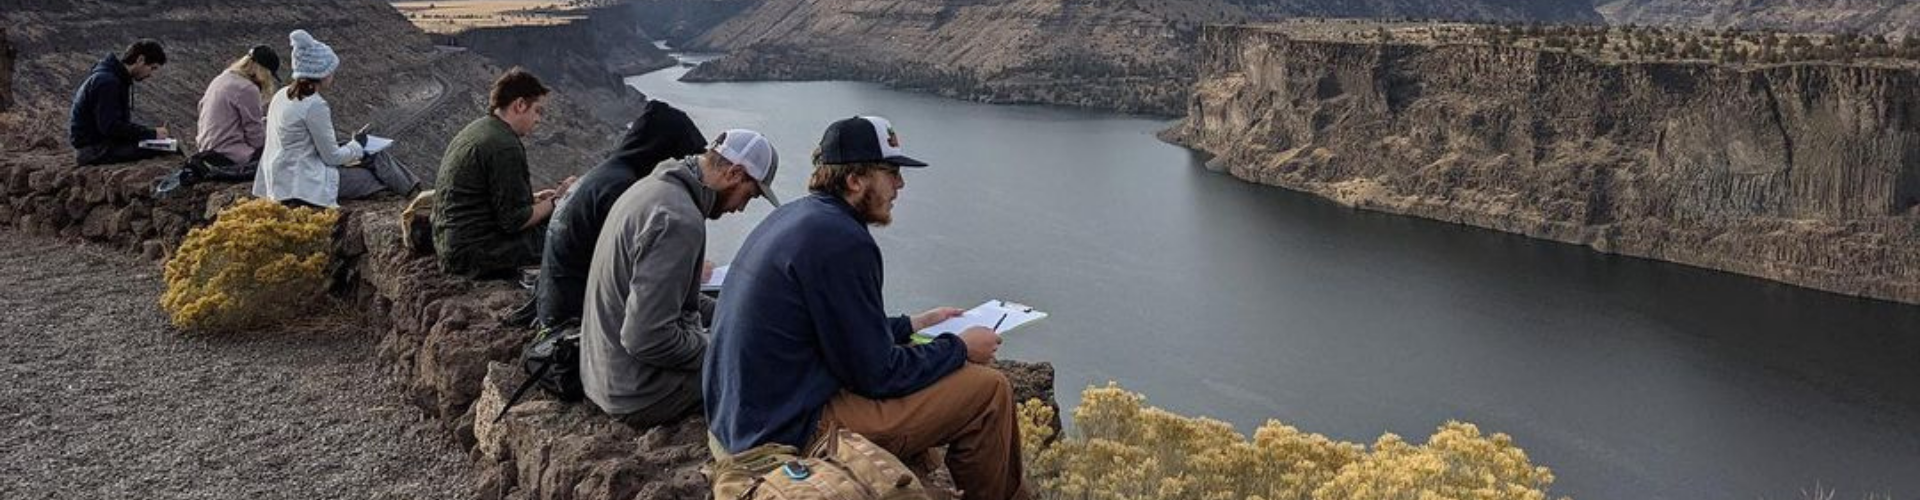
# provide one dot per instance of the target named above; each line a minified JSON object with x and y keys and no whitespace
{"x":101,"y":126}
{"x":802,"y":346}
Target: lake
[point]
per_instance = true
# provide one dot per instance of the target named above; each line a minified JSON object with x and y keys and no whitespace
{"x":1632,"y":379}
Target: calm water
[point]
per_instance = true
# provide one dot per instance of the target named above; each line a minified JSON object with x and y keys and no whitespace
{"x":1631,"y":379}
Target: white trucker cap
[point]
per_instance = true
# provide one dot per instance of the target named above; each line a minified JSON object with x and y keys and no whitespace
{"x":754,"y":152}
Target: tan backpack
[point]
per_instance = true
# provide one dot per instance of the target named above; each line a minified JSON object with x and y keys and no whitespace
{"x":849,"y":468}
{"x":416,"y":224}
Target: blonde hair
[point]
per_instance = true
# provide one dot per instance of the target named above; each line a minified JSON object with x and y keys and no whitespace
{"x":255,"y":73}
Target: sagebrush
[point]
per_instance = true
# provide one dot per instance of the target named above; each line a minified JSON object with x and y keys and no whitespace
{"x":1126,"y":450}
{"x":258,"y":263}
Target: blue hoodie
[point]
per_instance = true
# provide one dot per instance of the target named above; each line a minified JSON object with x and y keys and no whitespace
{"x":800,"y":318}
{"x":103,"y":108}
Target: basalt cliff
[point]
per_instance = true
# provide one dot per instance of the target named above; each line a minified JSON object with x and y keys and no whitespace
{"x":1805,"y":173}
{"x":1130,"y":56}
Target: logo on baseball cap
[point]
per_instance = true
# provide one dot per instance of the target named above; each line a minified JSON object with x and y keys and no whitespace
{"x":863,"y":139}
{"x":754,"y":152}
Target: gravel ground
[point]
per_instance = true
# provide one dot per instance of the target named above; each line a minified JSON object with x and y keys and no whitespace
{"x":99,"y":398}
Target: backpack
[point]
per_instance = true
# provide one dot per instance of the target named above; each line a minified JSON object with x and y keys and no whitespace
{"x":205,"y":166}
{"x":212,"y":166}
{"x":416,"y":224}
{"x":848,"y":467}
{"x":552,"y":362}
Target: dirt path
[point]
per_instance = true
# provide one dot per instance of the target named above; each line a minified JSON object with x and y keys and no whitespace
{"x":99,"y":398}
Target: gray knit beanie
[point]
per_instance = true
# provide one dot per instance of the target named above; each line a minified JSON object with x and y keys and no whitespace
{"x":312,"y":59}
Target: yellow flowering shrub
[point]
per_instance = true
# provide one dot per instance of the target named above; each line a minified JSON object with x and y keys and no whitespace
{"x":257,"y":263}
{"x":1127,"y":450}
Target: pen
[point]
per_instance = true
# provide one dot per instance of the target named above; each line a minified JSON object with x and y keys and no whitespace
{"x":996,"y":324}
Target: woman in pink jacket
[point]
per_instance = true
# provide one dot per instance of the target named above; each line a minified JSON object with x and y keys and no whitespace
{"x":232,"y":114}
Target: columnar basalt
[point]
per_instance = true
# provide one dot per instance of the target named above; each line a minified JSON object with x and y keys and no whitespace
{"x":1803,"y":173}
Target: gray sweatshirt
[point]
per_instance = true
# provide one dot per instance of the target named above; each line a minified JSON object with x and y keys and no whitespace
{"x":641,"y":336}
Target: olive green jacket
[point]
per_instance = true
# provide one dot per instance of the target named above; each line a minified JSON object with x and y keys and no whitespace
{"x":482,"y":199}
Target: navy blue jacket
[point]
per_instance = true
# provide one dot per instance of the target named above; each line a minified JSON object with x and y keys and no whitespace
{"x":660,"y":133}
{"x":103,"y":108}
{"x":800,"y":318}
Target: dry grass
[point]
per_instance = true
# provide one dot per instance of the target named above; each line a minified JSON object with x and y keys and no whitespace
{"x":1821,"y":492}
{"x":457,"y":16}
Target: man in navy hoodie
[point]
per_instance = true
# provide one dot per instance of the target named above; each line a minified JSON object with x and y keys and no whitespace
{"x":802,"y":346}
{"x":101,"y":127}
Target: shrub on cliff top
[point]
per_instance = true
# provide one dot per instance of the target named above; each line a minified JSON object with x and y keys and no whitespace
{"x":1127,"y":450}
{"x":259,"y":262}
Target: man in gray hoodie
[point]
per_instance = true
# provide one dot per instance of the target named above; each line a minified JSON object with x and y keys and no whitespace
{"x":642,"y":339}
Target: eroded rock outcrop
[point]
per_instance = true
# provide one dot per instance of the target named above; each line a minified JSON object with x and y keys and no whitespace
{"x":1125,"y":56}
{"x":1804,"y":173}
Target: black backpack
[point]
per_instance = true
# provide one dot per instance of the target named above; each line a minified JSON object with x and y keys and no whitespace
{"x":552,"y":362}
{"x":205,"y":166}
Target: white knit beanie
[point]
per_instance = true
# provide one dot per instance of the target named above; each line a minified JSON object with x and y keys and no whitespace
{"x":312,"y":59}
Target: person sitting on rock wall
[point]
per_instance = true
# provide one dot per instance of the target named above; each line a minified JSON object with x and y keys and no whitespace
{"x":660,"y":133}
{"x":802,"y":346}
{"x":101,"y":126}
{"x":232,"y":113}
{"x":302,"y":163}
{"x":488,"y":222}
{"x":642,"y":341}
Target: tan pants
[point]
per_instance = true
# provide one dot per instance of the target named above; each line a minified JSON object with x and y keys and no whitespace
{"x":971,"y":412}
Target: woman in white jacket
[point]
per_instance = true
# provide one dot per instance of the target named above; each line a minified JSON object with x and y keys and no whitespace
{"x":303,"y":162}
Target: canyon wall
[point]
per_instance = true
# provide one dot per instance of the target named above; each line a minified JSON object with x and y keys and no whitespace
{"x":1124,"y":55}
{"x":587,"y":59}
{"x":1804,"y":173}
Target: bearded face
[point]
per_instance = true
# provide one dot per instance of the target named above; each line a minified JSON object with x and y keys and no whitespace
{"x":881,"y":188}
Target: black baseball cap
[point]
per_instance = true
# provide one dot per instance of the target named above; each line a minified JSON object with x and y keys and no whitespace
{"x":863,"y":139}
{"x":266,"y":58}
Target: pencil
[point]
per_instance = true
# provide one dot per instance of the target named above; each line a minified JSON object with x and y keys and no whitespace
{"x":996,"y":324}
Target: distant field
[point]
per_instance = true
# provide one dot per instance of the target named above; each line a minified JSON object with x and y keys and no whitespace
{"x":1620,"y":43}
{"x":462,"y":15}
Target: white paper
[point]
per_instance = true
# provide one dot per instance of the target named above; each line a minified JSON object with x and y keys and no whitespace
{"x":987,"y":314}
{"x":161,"y":144}
{"x":377,"y":144}
{"x":713,"y":282}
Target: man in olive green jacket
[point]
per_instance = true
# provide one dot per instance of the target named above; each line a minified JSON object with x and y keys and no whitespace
{"x":487,"y":220}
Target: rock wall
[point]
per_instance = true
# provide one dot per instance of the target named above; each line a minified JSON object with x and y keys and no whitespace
{"x":1807,"y":174}
{"x":442,"y":339}
{"x":1126,"y":56}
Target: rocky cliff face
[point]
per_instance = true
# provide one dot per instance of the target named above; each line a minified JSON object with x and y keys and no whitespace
{"x":588,"y":58}
{"x":1865,"y":16}
{"x":391,"y":74}
{"x":1807,"y":173}
{"x":679,"y":21}
{"x":1127,"y":55}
